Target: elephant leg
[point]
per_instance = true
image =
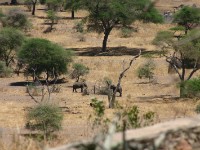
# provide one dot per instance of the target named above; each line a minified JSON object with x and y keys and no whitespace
{"x":81,"y":90}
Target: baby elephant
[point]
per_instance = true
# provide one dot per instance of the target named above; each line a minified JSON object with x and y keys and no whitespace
{"x":79,"y":85}
{"x":113,"y":87}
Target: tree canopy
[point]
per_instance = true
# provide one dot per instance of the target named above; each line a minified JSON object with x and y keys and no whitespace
{"x":73,"y":5}
{"x":104,"y":15}
{"x":185,"y":54}
{"x":187,"y":17}
{"x":10,"y":40}
{"x":45,"y":56}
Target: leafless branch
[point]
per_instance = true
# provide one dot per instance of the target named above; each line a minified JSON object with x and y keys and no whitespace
{"x":112,"y":99}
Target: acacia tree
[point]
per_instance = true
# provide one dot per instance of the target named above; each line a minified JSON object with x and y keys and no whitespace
{"x":185,"y":55}
{"x":73,"y":5}
{"x":104,"y":15}
{"x":10,"y":40}
{"x":188,"y":17}
{"x":79,"y":70}
{"x":41,"y":55}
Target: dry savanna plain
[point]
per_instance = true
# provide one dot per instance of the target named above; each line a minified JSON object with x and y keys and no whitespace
{"x":161,"y":96}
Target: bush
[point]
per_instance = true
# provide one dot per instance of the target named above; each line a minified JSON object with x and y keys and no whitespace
{"x":4,"y":70}
{"x":104,"y":89}
{"x":16,"y":19}
{"x":79,"y":27}
{"x":46,"y":118}
{"x":126,"y":32}
{"x":146,"y":70}
{"x":79,"y":70}
{"x":191,"y":88}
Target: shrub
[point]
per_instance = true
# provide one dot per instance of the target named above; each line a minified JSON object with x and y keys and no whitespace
{"x":10,"y":41}
{"x":46,"y":118}
{"x":191,"y":88}
{"x":4,"y":70}
{"x":79,"y":27}
{"x":146,"y":70}
{"x":126,"y":32}
{"x":79,"y":70}
{"x":16,"y":19}
{"x":104,"y":89}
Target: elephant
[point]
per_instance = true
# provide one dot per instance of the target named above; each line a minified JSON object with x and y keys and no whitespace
{"x":119,"y":90}
{"x":79,"y":85}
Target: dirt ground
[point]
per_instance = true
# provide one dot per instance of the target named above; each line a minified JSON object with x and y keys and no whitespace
{"x":161,"y":96}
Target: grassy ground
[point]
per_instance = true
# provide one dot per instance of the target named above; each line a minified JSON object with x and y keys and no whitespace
{"x":160,"y":96}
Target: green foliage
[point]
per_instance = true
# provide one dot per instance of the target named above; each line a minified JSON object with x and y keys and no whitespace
{"x":163,"y":37}
{"x":52,"y":16}
{"x":10,"y":40}
{"x":46,"y":118}
{"x":79,"y":27}
{"x":146,"y":70}
{"x":191,"y":88}
{"x":15,"y":18}
{"x":4,"y":70}
{"x":131,"y":115}
{"x":105,"y":15}
{"x":45,"y":56}
{"x":79,"y":70}
{"x":73,"y":5}
{"x":98,"y":106}
{"x":54,"y":4}
{"x":152,"y":15}
{"x":187,"y":15}
{"x":178,"y":28}
{"x":197,"y":109}
{"x":42,"y":2}
{"x":135,"y":119}
{"x":126,"y":32}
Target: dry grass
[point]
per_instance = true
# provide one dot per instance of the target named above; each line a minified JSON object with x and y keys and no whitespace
{"x":160,"y":97}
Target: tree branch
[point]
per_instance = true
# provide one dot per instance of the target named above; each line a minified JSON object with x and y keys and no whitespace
{"x":112,"y":100}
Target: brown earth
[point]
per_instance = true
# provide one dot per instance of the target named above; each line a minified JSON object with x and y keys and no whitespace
{"x":160,"y":96}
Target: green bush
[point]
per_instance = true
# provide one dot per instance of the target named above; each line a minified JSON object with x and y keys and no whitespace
{"x":4,"y":70}
{"x":191,"y":88}
{"x":126,"y":32}
{"x":79,"y":70}
{"x":46,"y":118}
{"x":146,"y":70}
{"x":15,"y":18}
{"x":79,"y":27}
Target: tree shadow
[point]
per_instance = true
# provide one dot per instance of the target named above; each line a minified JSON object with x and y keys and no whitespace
{"x":111,"y":51}
{"x":43,"y":82}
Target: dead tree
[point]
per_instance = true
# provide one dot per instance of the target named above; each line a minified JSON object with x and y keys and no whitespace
{"x":46,"y":86}
{"x":112,"y":96}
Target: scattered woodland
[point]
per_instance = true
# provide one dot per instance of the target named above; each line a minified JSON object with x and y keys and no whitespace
{"x":68,"y":68}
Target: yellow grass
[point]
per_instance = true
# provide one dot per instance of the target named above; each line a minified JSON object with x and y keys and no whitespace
{"x":149,"y":97}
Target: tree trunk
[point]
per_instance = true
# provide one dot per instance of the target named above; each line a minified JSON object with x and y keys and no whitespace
{"x":33,"y":10}
{"x":72,"y":14}
{"x":182,"y":90}
{"x":105,"y":39}
{"x":13,"y":2}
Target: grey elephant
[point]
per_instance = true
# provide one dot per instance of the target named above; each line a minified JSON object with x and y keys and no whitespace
{"x":119,"y":89}
{"x":79,"y":85}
